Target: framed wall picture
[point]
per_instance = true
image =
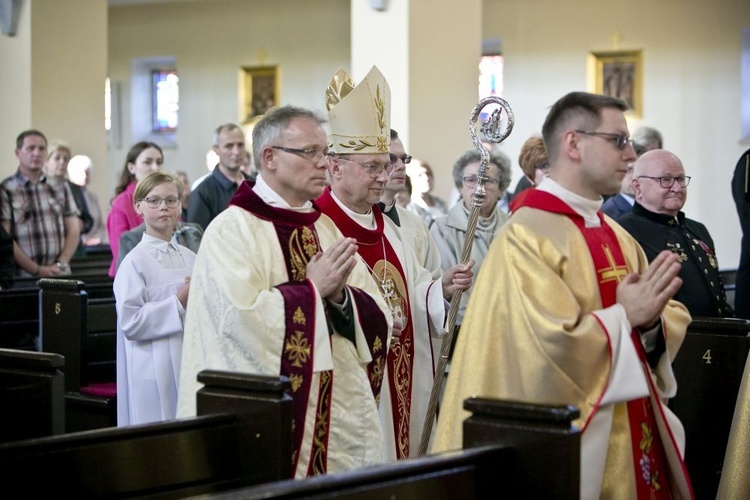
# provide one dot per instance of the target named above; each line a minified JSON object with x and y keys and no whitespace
{"x":259,"y":91}
{"x":618,"y":74}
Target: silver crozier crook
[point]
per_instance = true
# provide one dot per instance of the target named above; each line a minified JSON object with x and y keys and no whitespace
{"x":493,"y":131}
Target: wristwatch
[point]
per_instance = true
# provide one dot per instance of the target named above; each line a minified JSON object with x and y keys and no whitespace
{"x":62,"y":266}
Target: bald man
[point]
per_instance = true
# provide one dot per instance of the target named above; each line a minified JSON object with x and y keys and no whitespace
{"x":658,"y":223}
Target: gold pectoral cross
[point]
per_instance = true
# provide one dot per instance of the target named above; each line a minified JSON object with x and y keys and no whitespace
{"x":613,"y":272}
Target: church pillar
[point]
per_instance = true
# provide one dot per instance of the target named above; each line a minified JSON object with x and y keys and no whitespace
{"x":51,"y":68}
{"x":429,"y":52}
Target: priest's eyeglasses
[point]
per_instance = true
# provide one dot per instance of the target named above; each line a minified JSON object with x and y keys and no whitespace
{"x":373,"y":169}
{"x":404,"y":158}
{"x":621,"y":141}
{"x":668,"y":182}
{"x":171,"y":202}
{"x":313,"y":154}
{"x":471,"y":181}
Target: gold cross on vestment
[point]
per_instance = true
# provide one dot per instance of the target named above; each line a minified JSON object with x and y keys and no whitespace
{"x":613,"y":272}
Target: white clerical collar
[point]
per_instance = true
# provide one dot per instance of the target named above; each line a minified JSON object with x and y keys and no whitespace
{"x":272,"y":198}
{"x":582,"y":206}
{"x":367,"y":220}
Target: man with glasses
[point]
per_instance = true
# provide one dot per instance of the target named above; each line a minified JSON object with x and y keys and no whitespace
{"x":359,"y":118}
{"x":567,"y":310}
{"x":411,"y":226}
{"x":277,"y":290}
{"x":212,"y":195}
{"x":658,"y":223}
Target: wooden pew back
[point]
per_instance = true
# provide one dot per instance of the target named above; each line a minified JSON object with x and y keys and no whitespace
{"x":31,"y":395}
{"x":466,"y":474}
{"x":19,"y":319}
{"x":708,"y":369}
{"x":511,"y":449}
{"x":84,"y":331}
{"x":173,"y":459}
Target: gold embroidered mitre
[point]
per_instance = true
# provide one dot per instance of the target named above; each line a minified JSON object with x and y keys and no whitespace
{"x":359,"y":116}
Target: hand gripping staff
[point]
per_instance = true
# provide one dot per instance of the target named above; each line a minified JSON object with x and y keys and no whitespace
{"x":495,"y":129}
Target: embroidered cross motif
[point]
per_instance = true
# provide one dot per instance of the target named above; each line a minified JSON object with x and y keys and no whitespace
{"x":613,"y":272}
{"x":298,"y":348}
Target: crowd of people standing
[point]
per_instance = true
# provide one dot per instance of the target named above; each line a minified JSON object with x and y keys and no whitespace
{"x":310,"y":267}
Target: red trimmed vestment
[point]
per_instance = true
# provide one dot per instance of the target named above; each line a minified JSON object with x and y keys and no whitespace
{"x":417,"y":306}
{"x":251,"y":309}
{"x":543,"y":326}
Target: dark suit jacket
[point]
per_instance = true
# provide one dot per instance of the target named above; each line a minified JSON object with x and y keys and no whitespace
{"x":702,"y":290}
{"x":741,"y":195}
{"x":617,"y":206}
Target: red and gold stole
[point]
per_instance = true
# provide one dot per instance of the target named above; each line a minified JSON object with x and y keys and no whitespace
{"x":650,"y":463}
{"x":298,"y":241}
{"x":386,"y":270}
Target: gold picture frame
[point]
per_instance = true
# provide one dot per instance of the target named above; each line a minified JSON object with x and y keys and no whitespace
{"x":618,"y":74}
{"x":259,"y":91}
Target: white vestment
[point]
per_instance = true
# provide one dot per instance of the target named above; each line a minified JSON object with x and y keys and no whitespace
{"x":149,"y":330}
{"x":427,"y":314}
{"x":236,"y":321}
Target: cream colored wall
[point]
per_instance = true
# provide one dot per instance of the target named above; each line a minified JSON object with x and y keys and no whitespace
{"x":15,"y":91}
{"x":691,"y":87}
{"x":50,"y":71}
{"x":211,"y":41}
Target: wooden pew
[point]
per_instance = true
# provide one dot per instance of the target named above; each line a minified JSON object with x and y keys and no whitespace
{"x":729,"y":279}
{"x":31,"y":395}
{"x":19,"y":319}
{"x":708,"y":369}
{"x":239,"y":446}
{"x":511,"y":449}
{"x":466,"y":474}
{"x":84,"y":331}
{"x":95,"y":262}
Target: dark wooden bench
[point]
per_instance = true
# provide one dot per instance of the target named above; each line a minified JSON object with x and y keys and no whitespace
{"x":84,"y":331}
{"x":522,"y":450}
{"x":31,"y":395}
{"x":243,"y":444}
{"x":95,"y":262}
{"x":708,"y":369}
{"x":729,"y":279}
{"x":19,"y":319}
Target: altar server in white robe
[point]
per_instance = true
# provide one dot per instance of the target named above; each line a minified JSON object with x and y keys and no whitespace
{"x":151,"y":291}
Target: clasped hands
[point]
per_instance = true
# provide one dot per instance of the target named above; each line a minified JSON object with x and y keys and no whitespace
{"x":330,"y":270}
{"x":644,"y":296}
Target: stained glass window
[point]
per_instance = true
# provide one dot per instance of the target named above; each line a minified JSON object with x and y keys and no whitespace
{"x":165,"y":94}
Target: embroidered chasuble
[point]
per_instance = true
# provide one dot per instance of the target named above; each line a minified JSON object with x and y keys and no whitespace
{"x":543,"y":326}
{"x":416,"y":307}
{"x":254,"y":311}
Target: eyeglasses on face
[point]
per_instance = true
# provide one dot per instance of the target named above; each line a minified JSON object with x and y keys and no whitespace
{"x":471,"y":181}
{"x":373,"y":169}
{"x":313,"y":154}
{"x":404,"y":158}
{"x":621,"y":141}
{"x":668,"y":182}
{"x":171,"y":202}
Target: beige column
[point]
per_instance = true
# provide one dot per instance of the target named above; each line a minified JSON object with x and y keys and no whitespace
{"x":429,"y":52}
{"x":53,"y":73}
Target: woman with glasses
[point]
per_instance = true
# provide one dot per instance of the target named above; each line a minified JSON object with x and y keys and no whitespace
{"x":449,"y":231}
{"x":151,"y":292}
